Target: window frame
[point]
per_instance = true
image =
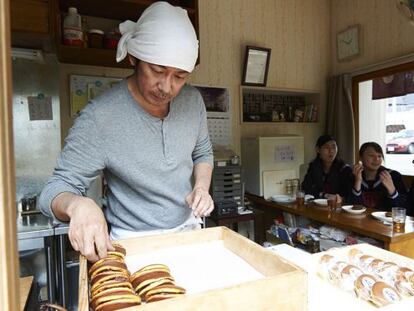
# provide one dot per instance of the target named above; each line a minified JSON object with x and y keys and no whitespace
{"x":409,"y":66}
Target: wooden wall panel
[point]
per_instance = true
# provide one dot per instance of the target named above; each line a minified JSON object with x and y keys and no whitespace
{"x":386,"y":33}
{"x":9,"y":284}
{"x":298,"y":34}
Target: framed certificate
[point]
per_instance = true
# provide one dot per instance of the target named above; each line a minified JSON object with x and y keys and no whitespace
{"x":256,"y":66}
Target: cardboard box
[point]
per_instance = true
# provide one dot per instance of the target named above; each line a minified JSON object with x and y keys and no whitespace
{"x":283,"y":286}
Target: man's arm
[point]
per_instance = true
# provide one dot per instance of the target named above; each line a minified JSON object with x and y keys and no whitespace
{"x":64,"y":196}
{"x":199,"y":200}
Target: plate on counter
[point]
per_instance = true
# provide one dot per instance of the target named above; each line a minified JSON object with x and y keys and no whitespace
{"x":282,"y":198}
{"x":382,"y":216}
{"x":309,"y":197}
{"x":386,"y":216}
{"x":321,"y":202}
{"x":354,"y":209}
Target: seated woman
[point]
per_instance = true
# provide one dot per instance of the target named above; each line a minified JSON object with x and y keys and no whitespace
{"x":327,"y":175}
{"x":410,"y":200}
{"x":373,"y":184}
{"x":409,"y":205}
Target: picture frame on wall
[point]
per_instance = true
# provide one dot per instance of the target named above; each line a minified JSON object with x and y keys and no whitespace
{"x":256,"y":66}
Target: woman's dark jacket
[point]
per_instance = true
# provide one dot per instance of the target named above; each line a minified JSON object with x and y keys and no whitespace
{"x":374,"y":194}
{"x":336,"y":181}
{"x":410,"y":201}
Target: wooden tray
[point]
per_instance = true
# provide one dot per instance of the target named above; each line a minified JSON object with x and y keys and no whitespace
{"x":283,"y":286}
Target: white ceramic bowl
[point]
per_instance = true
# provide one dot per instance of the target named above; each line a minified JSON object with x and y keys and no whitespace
{"x":348,"y":208}
{"x":321,"y":202}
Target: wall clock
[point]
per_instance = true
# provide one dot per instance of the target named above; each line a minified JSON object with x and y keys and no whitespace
{"x":348,"y":43}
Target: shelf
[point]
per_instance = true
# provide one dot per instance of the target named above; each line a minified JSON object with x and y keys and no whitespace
{"x":248,"y":123}
{"x":271,"y":105}
{"x":89,"y":56}
{"x":117,"y":9}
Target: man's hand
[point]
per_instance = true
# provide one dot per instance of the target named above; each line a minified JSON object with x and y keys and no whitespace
{"x":200,"y":201}
{"x":386,"y":180}
{"x":88,"y":230}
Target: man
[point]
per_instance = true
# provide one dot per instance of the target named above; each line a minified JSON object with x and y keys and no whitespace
{"x":149,"y":137}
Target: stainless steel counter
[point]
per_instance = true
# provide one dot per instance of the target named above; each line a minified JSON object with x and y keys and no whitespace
{"x":31,"y":231}
{"x":38,"y":231}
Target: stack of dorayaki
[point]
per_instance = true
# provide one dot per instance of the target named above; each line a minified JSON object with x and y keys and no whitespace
{"x":113,"y":288}
{"x":110,"y":285}
{"x":155,"y":282}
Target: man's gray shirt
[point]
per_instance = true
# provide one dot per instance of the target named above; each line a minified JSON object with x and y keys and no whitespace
{"x":147,"y":161}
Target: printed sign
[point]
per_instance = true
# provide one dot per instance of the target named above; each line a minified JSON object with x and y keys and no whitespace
{"x":285,"y":153}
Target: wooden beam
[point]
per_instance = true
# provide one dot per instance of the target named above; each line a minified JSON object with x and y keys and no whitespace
{"x":9,"y":281}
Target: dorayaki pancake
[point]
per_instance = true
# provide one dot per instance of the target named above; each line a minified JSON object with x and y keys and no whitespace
{"x":167,"y":289}
{"x":140,"y":287}
{"x":110,"y":284}
{"x":162,"y":297}
{"x":106,"y":298}
{"x":148,"y":275}
{"x":108,"y":293}
{"x":100,"y":270}
{"x":109,"y":261}
{"x":119,"y":302}
{"x":153,"y":285}
{"x":383,"y":294}
{"x":156,"y":266}
{"x":103,"y":278}
{"x":149,"y":269}
{"x":103,"y":274}
{"x":119,"y":251}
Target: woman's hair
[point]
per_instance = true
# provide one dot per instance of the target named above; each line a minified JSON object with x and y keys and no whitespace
{"x":373,"y":145}
{"x":322,"y":140}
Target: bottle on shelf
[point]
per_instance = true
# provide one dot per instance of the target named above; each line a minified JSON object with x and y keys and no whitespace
{"x":85,"y":30}
{"x":72,"y":28}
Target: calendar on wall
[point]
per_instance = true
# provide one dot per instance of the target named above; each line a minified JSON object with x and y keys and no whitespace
{"x":217,"y":101}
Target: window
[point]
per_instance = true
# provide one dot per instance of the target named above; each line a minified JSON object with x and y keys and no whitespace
{"x":384,"y":105}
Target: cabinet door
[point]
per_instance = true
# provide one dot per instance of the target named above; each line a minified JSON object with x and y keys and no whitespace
{"x":30,"y":16}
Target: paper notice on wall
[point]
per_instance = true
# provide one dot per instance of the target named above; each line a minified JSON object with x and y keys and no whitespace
{"x":285,"y":153}
{"x":85,"y":88}
{"x":40,"y":107}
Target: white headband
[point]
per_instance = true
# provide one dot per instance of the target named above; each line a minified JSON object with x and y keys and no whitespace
{"x":163,"y":35}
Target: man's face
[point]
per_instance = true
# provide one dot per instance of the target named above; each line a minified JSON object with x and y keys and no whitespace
{"x":159,"y":84}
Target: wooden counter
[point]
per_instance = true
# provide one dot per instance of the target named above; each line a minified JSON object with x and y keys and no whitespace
{"x":364,"y":224}
{"x":25,"y":287}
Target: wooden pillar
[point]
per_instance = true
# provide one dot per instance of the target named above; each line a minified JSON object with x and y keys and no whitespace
{"x":9,"y":280}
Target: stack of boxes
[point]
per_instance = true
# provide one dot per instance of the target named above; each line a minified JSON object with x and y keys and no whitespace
{"x":227,"y":190}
